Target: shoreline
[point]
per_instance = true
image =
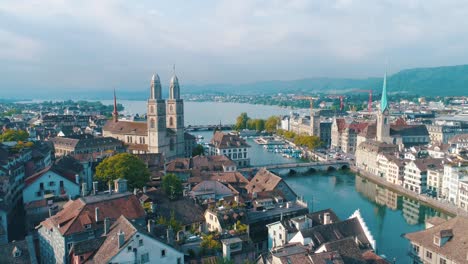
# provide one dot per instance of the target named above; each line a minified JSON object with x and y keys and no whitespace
{"x":447,"y":208}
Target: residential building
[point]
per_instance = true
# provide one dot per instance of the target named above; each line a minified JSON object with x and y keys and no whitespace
{"x":83,"y":219}
{"x":19,"y":252}
{"x":459,"y":142}
{"x":13,"y":168}
{"x":454,"y":172}
{"x":50,"y":183}
{"x":367,"y":154}
{"x":435,"y":176}
{"x":265,"y":180}
{"x":442,"y":242}
{"x":462,"y":199}
{"x":231,"y":146}
{"x":344,"y":134}
{"x":163,"y":132}
{"x":441,"y":133}
{"x":128,"y":242}
{"x":416,"y":171}
{"x":193,"y":167}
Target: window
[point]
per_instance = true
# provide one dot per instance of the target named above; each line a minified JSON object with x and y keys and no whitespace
{"x":179,"y":261}
{"x":171,"y":121}
{"x":443,"y":261}
{"x":140,"y":242}
{"x":163,"y":252}
{"x":429,"y":254}
{"x":152,"y":123}
{"x":51,"y":183}
{"x":416,"y":248}
{"x":129,"y":249}
{"x":87,"y":226}
{"x":61,"y":184}
{"x":145,"y":258}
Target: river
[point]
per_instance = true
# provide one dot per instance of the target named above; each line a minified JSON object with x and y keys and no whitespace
{"x":387,"y":214}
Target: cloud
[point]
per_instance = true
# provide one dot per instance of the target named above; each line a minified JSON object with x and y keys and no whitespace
{"x":119,"y":43}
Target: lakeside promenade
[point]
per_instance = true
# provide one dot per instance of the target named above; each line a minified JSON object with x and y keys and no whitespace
{"x":443,"y":206}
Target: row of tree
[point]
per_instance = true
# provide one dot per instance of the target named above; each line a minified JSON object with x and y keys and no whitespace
{"x":304,"y":140}
{"x":269,"y":125}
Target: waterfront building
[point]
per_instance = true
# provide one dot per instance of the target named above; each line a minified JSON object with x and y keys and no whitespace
{"x":231,"y":146}
{"x":282,"y":231}
{"x":367,"y":155}
{"x":435,"y":176}
{"x":126,"y":242}
{"x":313,"y":125}
{"x":462,"y":199}
{"x":83,"y":220}
{"x":416,"y":171}
{"x":85,"y":144}
{"x":163,"y":131}
{"x":344,"y":134}
{"x":442,"y":242}
{"x":454,"y":172}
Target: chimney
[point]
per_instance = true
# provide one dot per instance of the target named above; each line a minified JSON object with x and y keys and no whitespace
{"x":84,"y":189}
{"x":52,"y":211}
{"x":96,"y":214}
{"x":135,"y":191}
{"x":120,"y":185}
{"x":144,"y":189}
{"x":106,"y":225}
{"x":153,"y":207}
{"x":77,"y":179}
{"x":150,"y":226}
{"x":326,"y":219}
{"x":95,"y":187}
{"x":254,"y":195}
{"x":121,"y":238}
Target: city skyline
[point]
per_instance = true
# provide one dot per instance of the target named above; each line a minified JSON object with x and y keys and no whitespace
{"x":119,"y":44}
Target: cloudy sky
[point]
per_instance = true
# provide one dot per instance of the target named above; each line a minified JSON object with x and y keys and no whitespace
{"x":102,"y":44}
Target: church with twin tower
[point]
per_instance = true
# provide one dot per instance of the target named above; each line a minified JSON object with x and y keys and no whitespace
{"x":163,"y":132}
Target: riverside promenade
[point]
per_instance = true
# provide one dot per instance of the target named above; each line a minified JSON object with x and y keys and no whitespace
{"x":443,"y":206}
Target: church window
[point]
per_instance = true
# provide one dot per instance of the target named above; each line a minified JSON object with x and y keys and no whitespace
{"x":385,"y":121}
{"x":152,"y":123}
{"x":179,"y":120}
{"x":171,"y":121}
{"x":152,"y":109}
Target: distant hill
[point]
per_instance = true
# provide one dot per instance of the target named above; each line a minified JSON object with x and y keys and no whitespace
{"x":444,"y":81}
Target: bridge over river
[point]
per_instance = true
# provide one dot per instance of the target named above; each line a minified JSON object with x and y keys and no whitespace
{"x":306,"y":167}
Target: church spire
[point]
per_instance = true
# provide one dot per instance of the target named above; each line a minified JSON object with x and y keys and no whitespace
{"x":383,"y":100}
{"x":115,"y":113}
{"x":155,"y":91}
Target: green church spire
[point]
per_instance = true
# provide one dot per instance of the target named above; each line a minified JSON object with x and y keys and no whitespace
{"x":383,"y":101}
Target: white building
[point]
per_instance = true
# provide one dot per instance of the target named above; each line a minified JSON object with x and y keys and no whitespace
{"x":453,"y":174}
{"x":463,"y":195}
{"x":231,"y":146}
{"x":279,"y":233}
{"x":127,"y":243}
{"x":415,"y":178}
{"x":49,"y":183}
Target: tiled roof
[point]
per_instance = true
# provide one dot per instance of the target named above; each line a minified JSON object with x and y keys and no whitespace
{"x":227,"y":177}
{"x":77,"y":213}
{"x":69,"y":176}
{"x":455,"y":248}
{"x":264,"y":180}
{"x":6,"y":253}
{"x":223,"y":141}
{"x":371,"y":258}
{"x":348,"y":250}
{"x":126,"y":128}
{"x":458,"y":139}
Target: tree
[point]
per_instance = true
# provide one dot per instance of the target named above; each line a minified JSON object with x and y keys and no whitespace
{"x":14,"y":135}
{"x":259,"y":125}
{"x":241,"y":121}
{"x":172,"y":186}
{"x":123,"y":165}
{"x":198,"y":150}
{"x":209,"y":242}
{"x":271,"y":124}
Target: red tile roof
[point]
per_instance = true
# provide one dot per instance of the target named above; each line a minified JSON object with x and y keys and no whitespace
{"x":77,"y":213}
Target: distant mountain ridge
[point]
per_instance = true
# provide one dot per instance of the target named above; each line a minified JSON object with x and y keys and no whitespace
{"x":433,"y":81}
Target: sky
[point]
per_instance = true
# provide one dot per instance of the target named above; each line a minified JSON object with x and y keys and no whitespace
{"x":52,"y":45}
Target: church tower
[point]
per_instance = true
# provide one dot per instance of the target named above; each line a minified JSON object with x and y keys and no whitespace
{"x":175,"y":119}
{"x":156,"y":118}
{"x":383,"y":116}
{"x":115,"y":113}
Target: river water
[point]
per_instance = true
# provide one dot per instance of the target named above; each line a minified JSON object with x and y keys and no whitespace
{"x":387,"y":214}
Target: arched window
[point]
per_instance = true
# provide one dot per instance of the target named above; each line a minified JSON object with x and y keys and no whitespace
{"x":152,"y":109}
{"x":385,"y":120}
{"x":152,"y":123}
{"x":171,"y":121}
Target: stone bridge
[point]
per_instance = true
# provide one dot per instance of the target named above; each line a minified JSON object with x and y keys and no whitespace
{"x":300,"y":168}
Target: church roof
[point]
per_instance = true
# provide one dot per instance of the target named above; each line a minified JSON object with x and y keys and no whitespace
{"x":126,"y":128}
{"x":383,"y":100}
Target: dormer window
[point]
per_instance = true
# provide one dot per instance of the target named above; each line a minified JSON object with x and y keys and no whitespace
{"x":437,"y":241}
{"x":87,"y":226}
